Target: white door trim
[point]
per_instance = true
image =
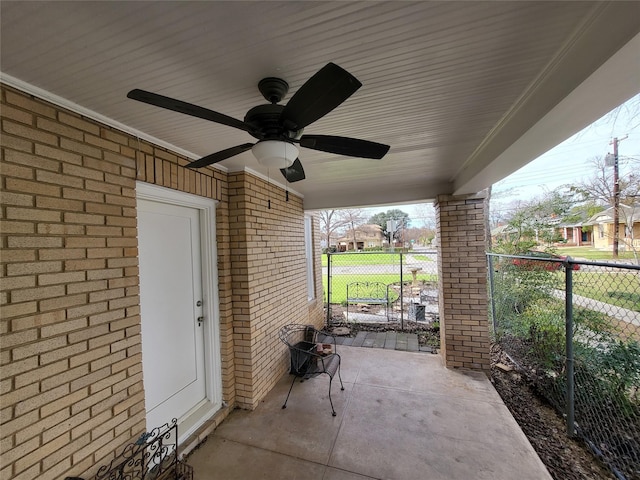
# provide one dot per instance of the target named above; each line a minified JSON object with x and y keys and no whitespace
{"x":211,"y":309}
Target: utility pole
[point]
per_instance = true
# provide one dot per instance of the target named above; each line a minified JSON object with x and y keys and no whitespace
{"x":616,"y":196}
{"x":392,"y":225}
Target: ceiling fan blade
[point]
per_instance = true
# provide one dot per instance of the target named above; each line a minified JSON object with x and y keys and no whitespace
{"x":294,"y":173}
{"x":187,"y":108}
{"x":324,"y":91}
{"x":351,"y":147}
{"x":219,"y":156}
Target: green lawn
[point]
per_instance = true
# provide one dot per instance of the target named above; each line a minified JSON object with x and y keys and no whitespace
{"x":424,"y":258}
{"x":362,"y":258}
{"x":621,"y":289}
{"x":591,"y":253}
{"x":339,"y":283}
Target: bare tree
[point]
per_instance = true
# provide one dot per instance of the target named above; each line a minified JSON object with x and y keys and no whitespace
{"x":353,"y":217}
{"x":600,"y":188}
{"x":419,"y":235}
{"x":425,"y":216}
{"x":330,"y":222}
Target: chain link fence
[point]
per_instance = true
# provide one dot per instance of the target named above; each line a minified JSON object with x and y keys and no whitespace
{"x":574,"y":329}
{"x":381,"y":287}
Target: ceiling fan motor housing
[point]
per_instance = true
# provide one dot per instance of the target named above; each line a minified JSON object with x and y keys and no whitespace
{"x":267,"y":123}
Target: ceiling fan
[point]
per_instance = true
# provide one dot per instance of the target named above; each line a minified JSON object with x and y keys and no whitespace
{"x":278,"y":128}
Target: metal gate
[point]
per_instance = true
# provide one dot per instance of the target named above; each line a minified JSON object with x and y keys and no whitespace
{"x":391,"y":288}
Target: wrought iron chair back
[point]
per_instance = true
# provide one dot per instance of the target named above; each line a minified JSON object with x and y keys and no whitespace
{"x":312,"y":353}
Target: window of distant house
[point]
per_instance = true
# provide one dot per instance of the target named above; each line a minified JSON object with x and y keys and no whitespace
{"x":308,"y":248}
{"x":601,"y":231}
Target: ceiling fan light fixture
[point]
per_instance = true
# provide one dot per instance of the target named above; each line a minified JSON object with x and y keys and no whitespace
{"x":275,"y":153}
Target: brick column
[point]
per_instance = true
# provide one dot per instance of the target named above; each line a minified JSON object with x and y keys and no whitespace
{"x":462,"y":270}
{"x":269,"y":281}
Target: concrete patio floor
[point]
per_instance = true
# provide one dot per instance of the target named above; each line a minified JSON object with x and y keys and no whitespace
{"x":401,"y":416}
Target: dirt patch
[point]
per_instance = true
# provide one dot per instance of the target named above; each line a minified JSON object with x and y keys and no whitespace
{"x":565,"y":458}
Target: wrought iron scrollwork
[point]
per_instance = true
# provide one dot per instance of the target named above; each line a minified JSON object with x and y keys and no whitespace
{"x":153,"y":456}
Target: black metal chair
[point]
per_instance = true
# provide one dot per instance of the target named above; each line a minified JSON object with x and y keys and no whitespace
{"x":307,"y":360}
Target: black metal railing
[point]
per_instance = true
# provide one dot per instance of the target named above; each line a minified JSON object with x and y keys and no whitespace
{"x":573,"y":327}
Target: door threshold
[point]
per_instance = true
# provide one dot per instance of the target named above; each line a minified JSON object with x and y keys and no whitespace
{"x":195,"y":418}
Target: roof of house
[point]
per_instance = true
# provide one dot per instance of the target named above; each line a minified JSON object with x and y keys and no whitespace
{"x":367,"y":229}
{"x":502,"y":229}
{"x":606,"y":216}
{"x":577,"y":219}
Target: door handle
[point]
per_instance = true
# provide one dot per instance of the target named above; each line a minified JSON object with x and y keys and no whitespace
{"x":200,"y":320}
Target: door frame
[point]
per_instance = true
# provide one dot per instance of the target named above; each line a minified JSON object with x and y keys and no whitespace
{"x":210,"y":300}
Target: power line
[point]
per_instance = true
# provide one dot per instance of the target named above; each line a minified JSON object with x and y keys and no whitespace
{"x":531,"y":178}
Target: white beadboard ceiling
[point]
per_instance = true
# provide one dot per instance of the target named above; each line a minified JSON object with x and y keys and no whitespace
{"x":464,"y":92}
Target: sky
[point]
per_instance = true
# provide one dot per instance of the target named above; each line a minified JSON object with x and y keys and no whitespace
{"x":571,"y":160}
{"x":568,"y":162}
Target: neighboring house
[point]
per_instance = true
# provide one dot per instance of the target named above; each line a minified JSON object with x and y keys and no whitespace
{"x":504,"y":232}
{"x":575,"y":234}
{"x":510,"y":233}
{"x":368,"y":235}
{"x":575,"y":230}
{"x":628,"y":228}
{"x":571,"y":233}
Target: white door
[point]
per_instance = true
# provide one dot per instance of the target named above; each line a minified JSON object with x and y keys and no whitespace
{"x":171,"y":297}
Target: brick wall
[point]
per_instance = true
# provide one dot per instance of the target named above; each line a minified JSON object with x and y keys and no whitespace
{"x":72,"y":373}
{"x":462,"y":267}
{"x":71,"y":378}
{"x":269,"y":281}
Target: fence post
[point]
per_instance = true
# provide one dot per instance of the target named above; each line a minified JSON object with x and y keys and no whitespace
{"x":568,"y":268}
{"x":328,"y":288}
{"x":401,"y":296}
{"x":493,"y":300}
